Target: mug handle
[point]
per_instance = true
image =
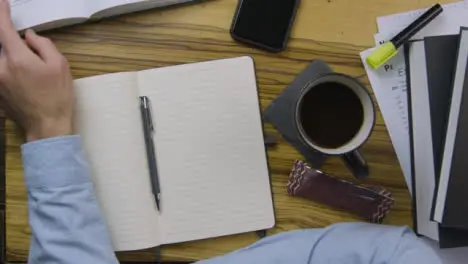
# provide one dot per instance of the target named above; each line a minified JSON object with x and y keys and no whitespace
{"x":357,"y":164}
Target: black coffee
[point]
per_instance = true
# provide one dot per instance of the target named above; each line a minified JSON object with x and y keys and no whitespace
{"x":331,"y":114}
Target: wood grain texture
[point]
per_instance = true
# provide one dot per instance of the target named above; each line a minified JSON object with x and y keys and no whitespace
{"x":2,"y":188}
{"x":334,"y":31}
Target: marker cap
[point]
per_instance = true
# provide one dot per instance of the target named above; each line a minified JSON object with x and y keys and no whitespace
{"x":381,"y":55}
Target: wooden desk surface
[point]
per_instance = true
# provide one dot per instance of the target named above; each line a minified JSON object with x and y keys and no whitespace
{"x":331,"y":30}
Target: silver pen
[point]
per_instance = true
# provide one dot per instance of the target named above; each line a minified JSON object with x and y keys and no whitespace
{"x":148,"y":130}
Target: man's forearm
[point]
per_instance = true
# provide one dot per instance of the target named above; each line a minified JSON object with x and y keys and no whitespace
{"x":66,"y":222}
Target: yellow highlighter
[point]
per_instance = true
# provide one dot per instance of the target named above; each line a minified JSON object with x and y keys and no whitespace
{"x":389,"y":49}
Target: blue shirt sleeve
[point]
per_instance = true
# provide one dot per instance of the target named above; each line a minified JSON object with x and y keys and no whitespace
{"x":65,"y":218}
{"x":350,"y":243}
{"x":68,"y":227}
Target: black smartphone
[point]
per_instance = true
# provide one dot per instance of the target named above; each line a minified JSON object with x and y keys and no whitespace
{"x":265,"y":24}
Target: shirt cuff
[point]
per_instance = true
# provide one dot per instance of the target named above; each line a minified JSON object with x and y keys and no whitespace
{"x":55,"y":162}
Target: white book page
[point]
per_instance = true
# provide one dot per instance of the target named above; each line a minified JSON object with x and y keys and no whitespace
{"x":107,"y":8}
{"x":389,"y":86}
{"x":109,"y":120}
{"x":423,"y":156}
{"x":102,"y":5}
{"x":453,"y":13}
{"x":447,"y":23}
{"x":44,"y":14}
{"x":210,"y":149}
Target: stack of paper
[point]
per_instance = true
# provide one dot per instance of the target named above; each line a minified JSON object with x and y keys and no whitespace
{"x":389,"y":81}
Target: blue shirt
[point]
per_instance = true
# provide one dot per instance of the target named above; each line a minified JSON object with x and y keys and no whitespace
{"x":68,"y":227}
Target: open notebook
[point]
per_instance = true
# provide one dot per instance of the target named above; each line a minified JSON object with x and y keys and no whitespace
{"x":210,"y":152}
{"x":47,"y":14}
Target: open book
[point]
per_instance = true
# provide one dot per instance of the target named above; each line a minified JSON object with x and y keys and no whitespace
{"x":47,"y":14}
{"x":210,"y":151}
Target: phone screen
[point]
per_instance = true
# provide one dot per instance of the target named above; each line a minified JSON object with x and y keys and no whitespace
{"x":264,"y":22}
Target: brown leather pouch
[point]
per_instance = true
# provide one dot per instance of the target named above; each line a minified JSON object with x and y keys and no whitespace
{"x":306,"y":182}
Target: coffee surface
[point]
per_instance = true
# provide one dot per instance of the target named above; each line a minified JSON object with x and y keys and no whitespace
{"x":331,"y":115}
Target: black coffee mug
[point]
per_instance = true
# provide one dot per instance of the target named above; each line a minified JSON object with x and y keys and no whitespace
{"x":335,"y":115}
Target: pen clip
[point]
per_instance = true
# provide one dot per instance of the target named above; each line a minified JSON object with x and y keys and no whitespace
{"x":148,"y":108}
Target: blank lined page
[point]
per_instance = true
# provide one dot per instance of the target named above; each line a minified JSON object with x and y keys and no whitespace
{"x":109,"y":121}
{"x":210,"y":151}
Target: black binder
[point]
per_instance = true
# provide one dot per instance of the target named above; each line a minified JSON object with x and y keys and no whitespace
{"x":440,"y":56}
{"x":450,"y":205}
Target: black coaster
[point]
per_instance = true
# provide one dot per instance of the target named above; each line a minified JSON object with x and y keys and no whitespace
{"x":280,"y":113}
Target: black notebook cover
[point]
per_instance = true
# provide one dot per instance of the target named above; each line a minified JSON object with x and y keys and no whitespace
{"x":452,"y":203}
{"x":441,"y":56}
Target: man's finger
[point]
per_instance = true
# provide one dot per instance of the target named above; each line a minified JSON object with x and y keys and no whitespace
{"x":9,"y":38}
{"x":42,"y":46}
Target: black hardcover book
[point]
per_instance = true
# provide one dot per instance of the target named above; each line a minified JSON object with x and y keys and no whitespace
{"x":432,"y":65}
{"x":450,"y":204}
{"x":441,"y":56}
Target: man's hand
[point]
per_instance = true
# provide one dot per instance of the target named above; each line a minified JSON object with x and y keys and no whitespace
{"x":36,"y":87}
